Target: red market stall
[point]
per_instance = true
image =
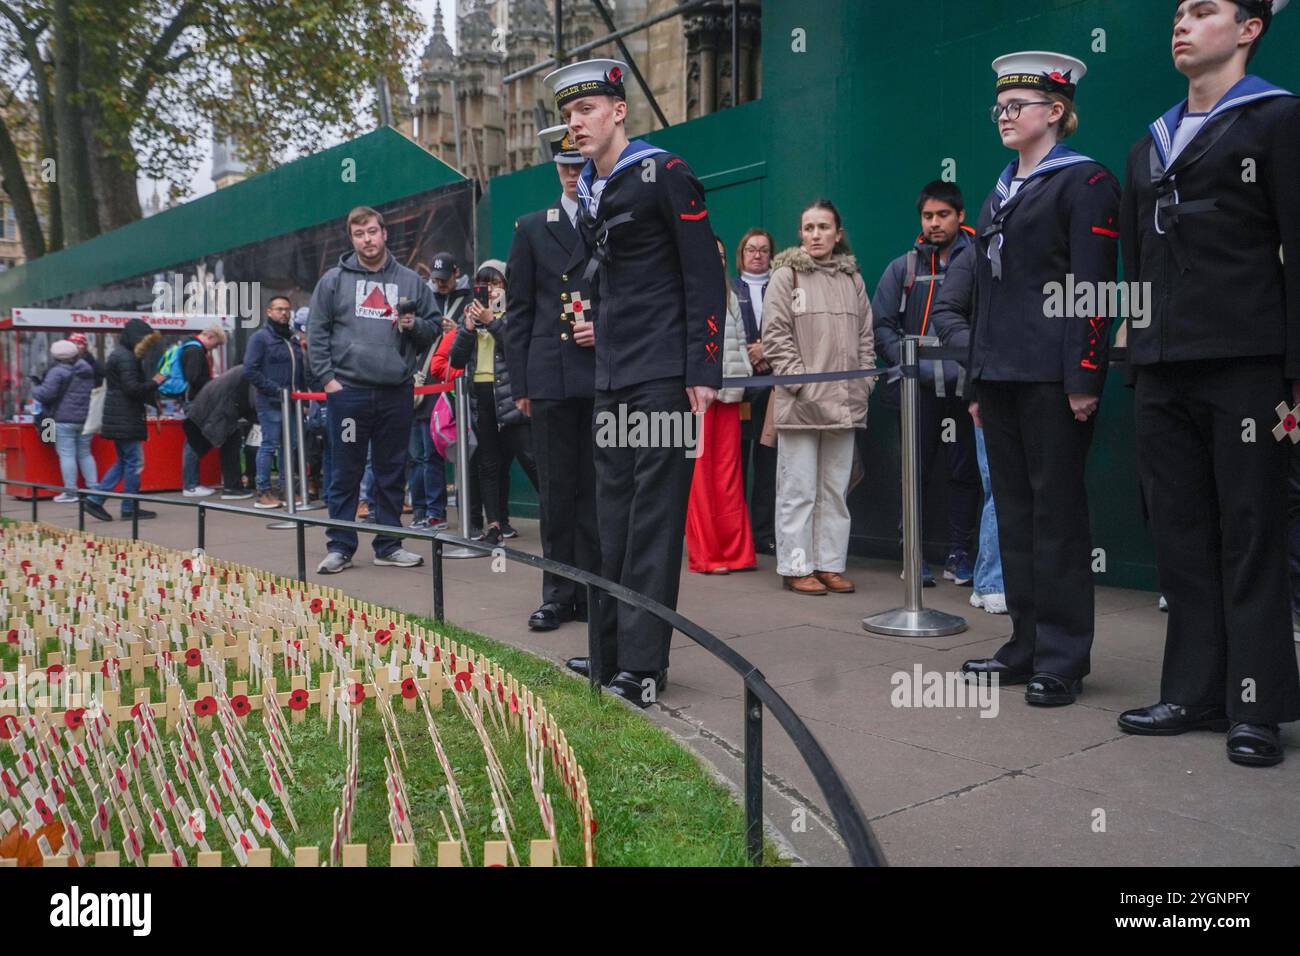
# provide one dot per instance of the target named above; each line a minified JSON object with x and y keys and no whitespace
{"x":27,"y":458}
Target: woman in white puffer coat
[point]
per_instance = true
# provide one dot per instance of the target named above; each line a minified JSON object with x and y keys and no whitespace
{"x":718,"y":536}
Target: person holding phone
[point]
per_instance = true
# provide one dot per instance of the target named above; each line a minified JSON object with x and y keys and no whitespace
{"x":500,"y":426}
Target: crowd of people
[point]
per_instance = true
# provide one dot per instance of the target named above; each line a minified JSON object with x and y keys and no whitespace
{"x":615,"y":300}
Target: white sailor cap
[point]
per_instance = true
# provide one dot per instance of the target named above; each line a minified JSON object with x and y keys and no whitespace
{"x":588,"y":78}
{"x":560,"y":143}
{"x":1039,"y":70}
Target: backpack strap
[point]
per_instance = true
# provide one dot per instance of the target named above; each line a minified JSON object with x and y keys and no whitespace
{"x":910,"y":281}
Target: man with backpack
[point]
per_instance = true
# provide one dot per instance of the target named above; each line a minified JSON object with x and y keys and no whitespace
{"x":903,"y":305}
{"x":186,"y":367}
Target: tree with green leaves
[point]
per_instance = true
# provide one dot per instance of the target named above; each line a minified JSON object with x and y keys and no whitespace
{"x":121,"y":88}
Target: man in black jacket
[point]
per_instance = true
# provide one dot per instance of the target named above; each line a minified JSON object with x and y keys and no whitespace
{"x":273,"y":362}
{"x":213,"y":421}
{"x":552,"y":379}
{"x":125,"y":420}
{"x":902,"y":306}
{"x":659,"y":295}
{"x":1211,"y":225}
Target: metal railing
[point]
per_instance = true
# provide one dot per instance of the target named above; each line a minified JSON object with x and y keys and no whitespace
{"x":854,"y":830}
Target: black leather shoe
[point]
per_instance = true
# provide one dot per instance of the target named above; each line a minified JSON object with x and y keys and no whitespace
{"x":548,"y":617}
{"x":1165,"y":720}
{"x":640,"y":687}
{"x":96,"y":510}
{"x":991,"y":665}
{"x":141,"y":515}
{"x":1255,"y":745}
{"x":579,"y":665}
{"x":1048,"y":690}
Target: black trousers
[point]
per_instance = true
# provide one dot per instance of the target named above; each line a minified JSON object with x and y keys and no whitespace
{"x":641,"y":497}
{"x":1218,"y":501}
{"x":1037,"y":453}
{"x":566,"y":468}
{"x":761,"y":489}
{"x":230,"y":449}
{"x":945,"y":423}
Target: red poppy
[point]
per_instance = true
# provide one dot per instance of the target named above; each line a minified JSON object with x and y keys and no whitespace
{"x":316,"y":605}
{"x":54,"y":673}
{"x":358,"y":693}
{"x":135,"y":712}
{"x":8,"y":727}
{"x":205,"y":707}
{"x":196,"y":590}
{"x":437,"y":653}
{"x":187,"y":564}
{"x":13,"y":635}
{"x":593,"y":826}
{"x":409,"y":690}
{"x":469,"y":665}
{"x":1057,"y":77}
{"x":383,"y":637}
{"x":462,"y":681}
{"x":340,"y":640}
{"x":240,"y":705}
{"x":193,"y":657}
{"x":46,"y":814}
{"x":299,"y":699}
{"x":514,"y":703}
{"x":75,"y":718}
{"x":615,"y":74}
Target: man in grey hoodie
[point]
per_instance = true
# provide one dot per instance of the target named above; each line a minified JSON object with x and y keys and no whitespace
{"x":371,"y":320}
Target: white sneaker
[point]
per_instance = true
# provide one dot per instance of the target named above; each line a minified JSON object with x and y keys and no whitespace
{"x":65,"y":499}
{"x":334,"y":563}
{"x":401,"y":558}
{"x":198,"y":491}
{"x":992,"y":603}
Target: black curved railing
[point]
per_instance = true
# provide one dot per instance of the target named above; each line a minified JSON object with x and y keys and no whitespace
{"x":852,"y":825}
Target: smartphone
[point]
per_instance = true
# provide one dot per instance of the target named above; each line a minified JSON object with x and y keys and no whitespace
{"x":481,"y":295}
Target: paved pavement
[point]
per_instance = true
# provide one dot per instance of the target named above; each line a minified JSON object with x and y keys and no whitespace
{"x":940,"y":785}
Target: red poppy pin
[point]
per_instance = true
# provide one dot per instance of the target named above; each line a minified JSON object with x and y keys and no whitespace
{"x":54,"y":673}
{"x":316,"y":605}
{"x":8,"y":727}
{"x":13,"y":635}
{"x":299,"y":699}
{"x":409,"y":690}
{"x":196,"y":590}
{"x":358,"y":693}
{"x":1056,"y":76}
{"x":205,"y":707}
{"x":193,"y":657}
{"x":615,"y":74}
{"x":73,"y":719}
{"x":462,"y":681}
{"x":240,"y":705}
{"x":383,"y":637}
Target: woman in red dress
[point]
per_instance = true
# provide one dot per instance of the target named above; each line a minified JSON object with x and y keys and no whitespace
{"x":718,"y":536}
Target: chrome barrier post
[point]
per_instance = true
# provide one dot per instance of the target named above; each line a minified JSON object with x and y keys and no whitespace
{"x":286,"y":463}
{"x":912,"y":619}
{"x":305,"y":503}
{"x":462,"y":472}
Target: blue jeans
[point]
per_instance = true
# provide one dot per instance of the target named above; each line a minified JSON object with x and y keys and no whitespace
{"x":272,"y":422}
{"x":127,"y":469}
{"x":988,"y":564}
{"x":378,"y":423}
{"x":428,"y":475}
{"x":73,"y":449}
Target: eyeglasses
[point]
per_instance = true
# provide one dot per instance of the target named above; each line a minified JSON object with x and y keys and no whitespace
{"x":1013,"y":108}
{"x":755,"y":250}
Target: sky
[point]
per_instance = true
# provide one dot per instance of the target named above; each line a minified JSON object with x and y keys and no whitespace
{"x":202,"y":181}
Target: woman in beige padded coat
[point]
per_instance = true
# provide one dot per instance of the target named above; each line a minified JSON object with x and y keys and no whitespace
{"x":819,"y":321}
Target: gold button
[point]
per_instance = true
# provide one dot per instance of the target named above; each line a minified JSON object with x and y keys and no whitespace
{"x":564,"y":296}
{"x":564,"y":278}
{"x":564,"y":336}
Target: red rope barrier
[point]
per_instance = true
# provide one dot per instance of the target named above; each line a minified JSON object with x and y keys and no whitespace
{"x":418,"y":390}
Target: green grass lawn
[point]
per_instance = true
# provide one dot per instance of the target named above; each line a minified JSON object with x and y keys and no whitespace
{"x":654,"y":802}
